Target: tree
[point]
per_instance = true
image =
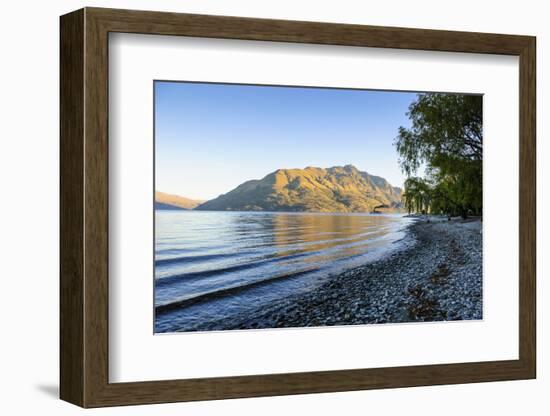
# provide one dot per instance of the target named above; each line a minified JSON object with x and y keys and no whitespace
{"x":417,"y":195}
{"x":445,"y":137}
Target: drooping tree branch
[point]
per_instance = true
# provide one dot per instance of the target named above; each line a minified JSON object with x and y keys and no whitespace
{"x":446,"y":137}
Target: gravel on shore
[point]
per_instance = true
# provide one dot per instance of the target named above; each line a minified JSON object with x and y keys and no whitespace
{"x":437,"y":277}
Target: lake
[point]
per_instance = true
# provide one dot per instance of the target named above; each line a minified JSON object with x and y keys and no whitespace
{"x":212,"y":266}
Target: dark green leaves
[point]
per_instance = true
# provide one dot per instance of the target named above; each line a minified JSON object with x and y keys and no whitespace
{"x":446,"y":137}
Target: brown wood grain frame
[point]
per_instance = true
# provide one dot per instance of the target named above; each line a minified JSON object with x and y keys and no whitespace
{"x":84,"y":216}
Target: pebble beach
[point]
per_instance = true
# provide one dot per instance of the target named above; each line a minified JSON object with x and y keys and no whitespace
{"x":437,"y":276}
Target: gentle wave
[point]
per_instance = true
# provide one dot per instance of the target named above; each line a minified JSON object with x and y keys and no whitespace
{"x":198,"y":258}
{"x":238,"y":267}
{"x":178,"y":303}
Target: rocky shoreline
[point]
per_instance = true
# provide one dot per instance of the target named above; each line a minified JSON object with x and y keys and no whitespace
{"x":437,"y":277}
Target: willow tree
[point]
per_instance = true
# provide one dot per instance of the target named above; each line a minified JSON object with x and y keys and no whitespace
{"x":446,"y":139}
{"x":418,"y":195}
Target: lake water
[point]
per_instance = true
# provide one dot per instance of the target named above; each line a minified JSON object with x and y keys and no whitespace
{"x":211,"y":266}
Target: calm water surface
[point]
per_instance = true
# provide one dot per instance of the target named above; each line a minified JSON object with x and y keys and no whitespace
{"x":211,"y":266}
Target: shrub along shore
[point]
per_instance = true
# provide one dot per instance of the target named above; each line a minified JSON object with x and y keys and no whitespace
{"x":436,"y":277}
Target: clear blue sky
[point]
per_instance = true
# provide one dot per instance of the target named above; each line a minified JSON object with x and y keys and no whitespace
{"x":212,"y":137}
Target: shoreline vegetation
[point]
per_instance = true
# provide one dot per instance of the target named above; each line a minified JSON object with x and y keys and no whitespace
{"x":446,"y":138}
{"x":437,"y":276}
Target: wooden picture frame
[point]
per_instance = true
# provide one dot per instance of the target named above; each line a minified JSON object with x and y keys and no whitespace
{"x":84,"y":207}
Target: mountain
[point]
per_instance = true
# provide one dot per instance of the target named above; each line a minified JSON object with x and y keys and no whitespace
{"x":336,"y":189}
{"x":168,"y":201}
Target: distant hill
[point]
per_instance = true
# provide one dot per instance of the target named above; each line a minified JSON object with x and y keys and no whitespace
{"x":168,"y":201}
{"x":336,"y":189}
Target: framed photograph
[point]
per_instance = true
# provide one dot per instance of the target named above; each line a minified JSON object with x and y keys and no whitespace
{"x":255,"y":207}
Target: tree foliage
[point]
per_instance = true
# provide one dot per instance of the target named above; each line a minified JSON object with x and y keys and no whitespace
{"x":446,"y":139}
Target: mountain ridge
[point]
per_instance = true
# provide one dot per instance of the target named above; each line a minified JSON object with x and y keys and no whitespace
{"x":170,"y":201}
{"x":312,"y":189}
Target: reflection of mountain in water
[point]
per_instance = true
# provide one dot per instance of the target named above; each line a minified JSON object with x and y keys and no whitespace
{"x":318,"y":233}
